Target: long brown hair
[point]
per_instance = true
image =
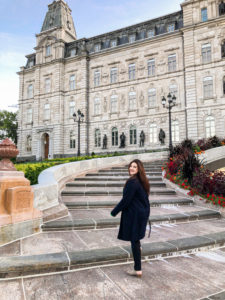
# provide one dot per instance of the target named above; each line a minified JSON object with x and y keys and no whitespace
{"x":141,"y":175}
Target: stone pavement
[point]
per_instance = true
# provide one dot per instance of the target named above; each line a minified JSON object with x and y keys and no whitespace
{"x":183,"y":259}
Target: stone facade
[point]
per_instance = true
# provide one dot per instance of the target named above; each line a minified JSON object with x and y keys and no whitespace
{"x":118,"y":79}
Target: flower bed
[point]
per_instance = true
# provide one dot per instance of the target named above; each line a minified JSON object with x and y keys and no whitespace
{"x":186,"y":170}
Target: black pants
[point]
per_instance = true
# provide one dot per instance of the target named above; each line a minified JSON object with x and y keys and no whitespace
{"x":136,"y":250}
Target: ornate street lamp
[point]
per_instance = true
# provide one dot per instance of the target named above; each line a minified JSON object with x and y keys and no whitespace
{"x":172,"y":103}
{"x":79,"y":117}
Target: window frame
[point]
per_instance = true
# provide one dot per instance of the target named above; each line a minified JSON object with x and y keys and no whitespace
{"x":113,"y":75}
{"x":72,"y":83}
{"x":153,"y":133}
{"x":72,"y":139}
{"x":97,"y":138}
{"x":172,"y":63}
{"x":114,"y":134}
{"x":97,"y":75}
{"x":97,"y":106}
{"x":132,"y":71}
{"x":206,"y":57}
{"x":132,"y":100}
{"x":113,"y":103}
{"x":47,"y":112}
{"x":30,"y":91}
{"x":175,"y":130}
{"x":151,"y":97}
{"x":204,"y":14}
{"x":210,"y":130}
{"x":208,"y":88}
{"x":133,"y":135}
{"x":151,"y":67}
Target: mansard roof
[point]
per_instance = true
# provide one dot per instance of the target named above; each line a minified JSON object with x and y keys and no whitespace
{"x":140,"y":31}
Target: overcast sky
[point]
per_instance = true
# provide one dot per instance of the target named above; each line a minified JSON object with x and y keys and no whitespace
{"x":20,"y":20}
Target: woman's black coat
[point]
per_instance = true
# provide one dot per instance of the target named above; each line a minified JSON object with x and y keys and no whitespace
{"x":135,"y":209}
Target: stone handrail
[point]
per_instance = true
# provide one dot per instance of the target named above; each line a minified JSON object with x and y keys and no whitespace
{"x":52,"y":180}
{"x":214,"y":158}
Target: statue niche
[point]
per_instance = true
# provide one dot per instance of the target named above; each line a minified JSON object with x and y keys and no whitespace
{"x":221,"y":8}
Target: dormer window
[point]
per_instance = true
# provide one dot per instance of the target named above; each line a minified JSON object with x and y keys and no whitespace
{"x":204,"y":14}
{"x":97,"y":47}
{"x":132,"y":38}
{"x":114,"y":43}
{"x":151,"y":33}
{"x":48,"y":50}
{"x":222,"y":8}
{"x":171,"y":28}
{"x":72,"y":52}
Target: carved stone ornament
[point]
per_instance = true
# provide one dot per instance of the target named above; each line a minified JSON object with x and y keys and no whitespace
{"x":7,"y":150}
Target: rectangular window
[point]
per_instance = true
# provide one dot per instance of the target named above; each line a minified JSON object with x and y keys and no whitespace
{"x":172,"y":63}
{"x":175,"y":131}
{"x":153,"y":134}
{"x":113,"y":75}
{"x":207,"y":87}
{"x":173,"y":90}
{"x":171,"y":28}
{"x":71,"y":109}
{"x":72,"y":52}
{"x":96,"y":78}
{"x":131,"y":71}
{"x":114,"y":104}
{"x":97,"y":106}
{"x":48,"y":50}
{"x":47,"y":85}
{"x":151,"y":33}
{"x":72,"y":140}
{"x":132,"y":100}
{"x":133,"y":136}
{"x":113,"y":43}
{"x":30,"y":91}
{"x":132,"y":38}
{"x":29,"y":115}
{"x":72,"y":82}
{"x":151,"y":67}
{"x":206,"y":53}
{"x":152,"y":97}
{"x":46,"y":111}
{"x":204,"y":14}
{"x":97,"y":47}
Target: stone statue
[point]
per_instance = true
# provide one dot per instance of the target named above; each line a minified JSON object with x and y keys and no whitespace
{"x":104,"y":142}
{"x":142,"y":139}
{"x":222,"y":8}
{"x":162,"y":136}
{"x":122,"y":140}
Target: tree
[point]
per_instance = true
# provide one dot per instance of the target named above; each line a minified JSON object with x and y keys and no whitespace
{"x":8,"y":125}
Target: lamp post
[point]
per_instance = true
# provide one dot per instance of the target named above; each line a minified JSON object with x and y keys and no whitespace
{"x":172,"y":103}
{"x":79,"y":117}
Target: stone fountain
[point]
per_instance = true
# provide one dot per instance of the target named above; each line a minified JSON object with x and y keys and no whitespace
{"x":18,"y":217}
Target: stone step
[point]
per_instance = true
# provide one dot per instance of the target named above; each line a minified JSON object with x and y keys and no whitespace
{"x":113,"y":178}
{"x":108,"y":184}
{"x":147,"y":170}
{"x":71,"y":192}
{"x":26,"y":265}
{"x":153,"y":203}
{"x":80,"y":224}
{"x":121,"y":174}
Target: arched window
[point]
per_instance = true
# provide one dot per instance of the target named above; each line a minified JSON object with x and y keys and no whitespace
{"x":153,"y":133}
{"x":30,"y":91}
{"x":114,"y":103}
{"x":175,"y":131}
{"x":151,"y":97}
{"x":210,"y":127}
{"x":72,"y":140}
{"x":29,"y":143}
{"x":133,"y":135}
{"x":97,"y":138}
{"x":114,"y":136}
{"x":132,"y":100}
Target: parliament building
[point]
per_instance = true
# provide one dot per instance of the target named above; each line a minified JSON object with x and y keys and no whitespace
{"x":117,"y":81}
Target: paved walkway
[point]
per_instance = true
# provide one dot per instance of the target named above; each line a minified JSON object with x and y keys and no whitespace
{"x":183,"y":259}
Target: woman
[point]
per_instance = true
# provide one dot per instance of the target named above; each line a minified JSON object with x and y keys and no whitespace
{"x":135,"y":209}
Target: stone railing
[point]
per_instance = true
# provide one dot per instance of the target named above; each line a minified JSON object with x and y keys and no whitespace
{"x":51,"y":181}
{"x":214,"y":158}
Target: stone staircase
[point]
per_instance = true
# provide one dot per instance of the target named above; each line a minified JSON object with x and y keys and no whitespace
{"x":88,"y":235}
